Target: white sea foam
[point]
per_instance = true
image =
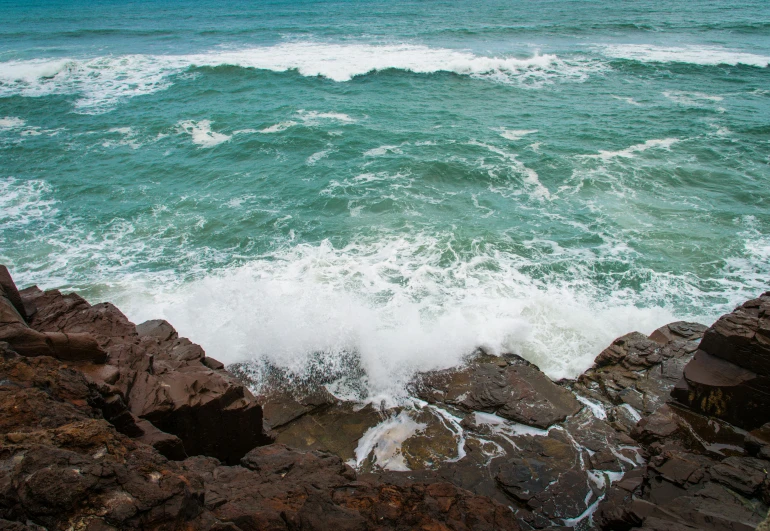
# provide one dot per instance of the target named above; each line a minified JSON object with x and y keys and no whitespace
{"x":316,"y":117}
{"x":102,"y":82}
{"x":11,"y":122}
{"x":382,"y":150}
{"x":692,"y":54}
{"x":383,"y":442}
{"x":396,"y":306}
{"x":201,"y":133}
{"x":630,"y":101}
{"x":24,"y":202}
{"x":629,"y":152}
{"x":129,"y":137}
{"x":514,"y":134}
{"x":277,"y":128}
{"x":315,"y":157}
{"x":694,"y":99}
{"x":529,"y":176}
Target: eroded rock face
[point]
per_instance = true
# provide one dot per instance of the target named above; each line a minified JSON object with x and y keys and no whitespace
{"x":729,"y":377}
{"x":699,"y":476}
{"x":635,"y":375}
{"x":62,"y":466}
{"x":161,"y":378}
{"x":703,"y":472}
{"x":29,"y":342}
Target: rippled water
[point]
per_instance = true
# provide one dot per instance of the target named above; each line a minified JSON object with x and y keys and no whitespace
{"x":350,"y":188}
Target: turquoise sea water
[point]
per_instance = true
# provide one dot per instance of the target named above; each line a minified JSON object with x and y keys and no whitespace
{"x":386,"y":186}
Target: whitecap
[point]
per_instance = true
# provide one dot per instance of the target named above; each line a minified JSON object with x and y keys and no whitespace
{"x":630,"y":101}
{"x":382,"y":150}
{"x":514,"y":134}
{"x":11,"y":122}
{"x":201,"y":133}
{"x":277,"y":128}
{"x":692,"y":54}
{"x":103,"y":82}
{"x":629,"y":152}
{"x":315,"y":157}
{"x":315,"y":117}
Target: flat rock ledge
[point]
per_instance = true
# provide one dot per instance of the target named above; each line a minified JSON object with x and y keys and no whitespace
{"x":108,"y":425}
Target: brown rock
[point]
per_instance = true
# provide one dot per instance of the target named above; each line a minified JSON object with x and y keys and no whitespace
{"x":161,"y":377}
{"x":640,"y":372}
{"x":729,"y":377}
{"x":335,"y":430}
{"x":9,"y":291}
{"x":743,"y":336}
{"x":517,"y":391}
{"x":29,"y":342}
{"x":725,"y":390}
{"x":313,"y":490}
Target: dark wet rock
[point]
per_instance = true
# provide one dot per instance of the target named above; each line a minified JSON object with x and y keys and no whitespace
{"x":765,"y":525}
{"x":729,"y":377}
{"x":678,"y":331}
{"x":639,"y":371}
{"x":162,"y":378}
{"x":283,"y":407}
{"x":757,"y":442}
{"x":725,"y":390}
{"x":315,"y":490}
{"x":699,"y":476}
{"x":29,"y":342}
{"x":335,"y":430}
{"x":438,"y":442}
{"x":514,"y":390}
{"x":742,"y":337}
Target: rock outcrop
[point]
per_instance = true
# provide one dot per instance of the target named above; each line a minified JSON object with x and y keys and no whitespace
{"x":511,"y":388}
{"x":79,"y":447}
{"x":30,"y":342}
{"x":634,"y":376}
{"x":704,"y":472}
{"x":729,"y":378}
{"x":159,"y":377}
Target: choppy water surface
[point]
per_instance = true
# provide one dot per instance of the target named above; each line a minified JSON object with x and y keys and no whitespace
{"x":389,"y":185}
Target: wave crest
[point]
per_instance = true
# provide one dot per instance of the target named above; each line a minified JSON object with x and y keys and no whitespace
{"x":102,"y":82}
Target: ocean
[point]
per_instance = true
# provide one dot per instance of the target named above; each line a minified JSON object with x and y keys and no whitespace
{"x":352,"y":192}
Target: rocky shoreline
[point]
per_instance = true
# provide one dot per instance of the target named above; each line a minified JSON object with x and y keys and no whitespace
{"x":108,"y":425}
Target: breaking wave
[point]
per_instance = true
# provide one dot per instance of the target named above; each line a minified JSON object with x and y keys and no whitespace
{"x":102,"y":82}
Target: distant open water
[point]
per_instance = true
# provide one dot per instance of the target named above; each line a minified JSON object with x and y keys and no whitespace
{"x":367,"y":189}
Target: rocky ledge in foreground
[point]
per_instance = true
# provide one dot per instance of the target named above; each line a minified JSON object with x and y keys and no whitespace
{"x":611,"y":450}
{"x":107,"y":425}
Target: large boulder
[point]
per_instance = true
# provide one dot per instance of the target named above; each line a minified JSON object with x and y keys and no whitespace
{"x":509,"y":387}
{"x":729,"y":377}
{"x":162,"y":378}
{"x":14,"y":330}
